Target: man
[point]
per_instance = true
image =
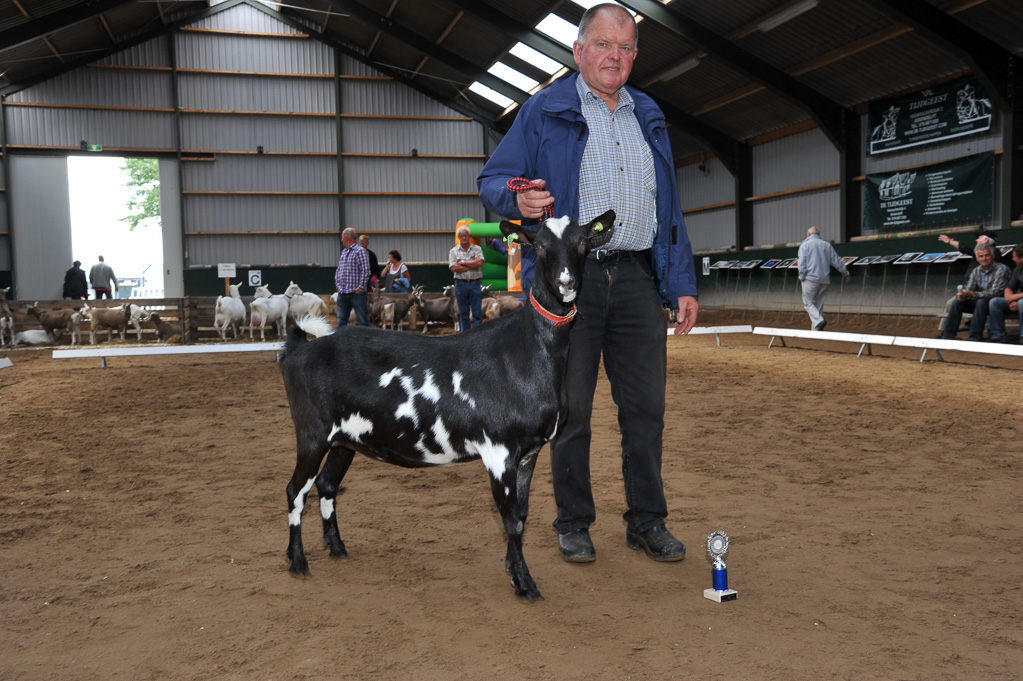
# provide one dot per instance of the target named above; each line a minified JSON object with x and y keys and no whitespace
{"x":966,"y":248}
{"x":466,"y":261}
{"x":593,"y":144}
{"x":374,"y":264}
{"x":1011,"y":300}
{"x":816,"y":258}
{"x":75,"y":285}
{"x":350,"y":278}
{"x":986,"y":281}
{"x":101,"y":276}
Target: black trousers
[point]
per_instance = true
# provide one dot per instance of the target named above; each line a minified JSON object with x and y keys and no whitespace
{"x":618,"y":316}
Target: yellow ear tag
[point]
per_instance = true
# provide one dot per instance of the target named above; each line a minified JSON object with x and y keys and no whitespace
{"x":599,"y":227}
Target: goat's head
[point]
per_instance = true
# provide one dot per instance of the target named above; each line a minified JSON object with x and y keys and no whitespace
{"x":561,"y":245}
{"x":292,"y":290}
{"x":262,"y":292}
{"x":4,"y":292}
{"x":234,"y":288}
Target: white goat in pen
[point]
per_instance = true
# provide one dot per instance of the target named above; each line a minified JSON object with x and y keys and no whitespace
{"x":267,"y":309}
{"x":302,"y":303}
{"x":230,"y":311}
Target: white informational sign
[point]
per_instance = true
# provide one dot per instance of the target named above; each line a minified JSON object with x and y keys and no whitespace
{"x":255,"y":278}
{"x":706,"y":265}
{"x":225,"y":270}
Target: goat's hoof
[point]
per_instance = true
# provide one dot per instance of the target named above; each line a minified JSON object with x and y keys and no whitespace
{"x":299,"y":570}
{"x":336,"y":546}
{"x":528,"y":592}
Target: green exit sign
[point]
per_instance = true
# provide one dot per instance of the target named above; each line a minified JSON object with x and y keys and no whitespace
{"x":94,"y":147}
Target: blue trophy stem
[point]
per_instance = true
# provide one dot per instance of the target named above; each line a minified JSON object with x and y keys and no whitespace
{"x":720,"y":579}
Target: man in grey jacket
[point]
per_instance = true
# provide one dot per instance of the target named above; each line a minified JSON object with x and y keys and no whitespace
{"x":816,"y":258}
{"x":101,"y":276}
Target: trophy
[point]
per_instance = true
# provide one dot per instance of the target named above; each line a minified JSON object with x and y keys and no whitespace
{"x":717,"y":547}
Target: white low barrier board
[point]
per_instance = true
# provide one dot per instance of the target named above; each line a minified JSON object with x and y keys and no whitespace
{"x":866,"y":340}
{"x":103,"y":353}
{"x":939,"y":344}
{"x":716,"y":330}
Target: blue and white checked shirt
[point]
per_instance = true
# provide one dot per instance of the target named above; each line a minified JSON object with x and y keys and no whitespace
{"x":617,"y":171}
{"x":352,"y":269}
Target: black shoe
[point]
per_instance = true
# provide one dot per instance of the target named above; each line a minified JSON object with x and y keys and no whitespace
{"x":576,"y":546}
{"x":1001,"y":339}
{"x":975,"y":339}
{"x":820,"y":327}
{"x":657,"y":543}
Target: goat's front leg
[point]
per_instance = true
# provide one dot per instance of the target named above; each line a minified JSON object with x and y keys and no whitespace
{"x":511,"y":492}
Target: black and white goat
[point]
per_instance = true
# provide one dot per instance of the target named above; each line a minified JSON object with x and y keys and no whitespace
{"x":417,"y":401}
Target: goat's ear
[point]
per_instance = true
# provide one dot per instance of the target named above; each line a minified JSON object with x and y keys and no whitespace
{"x":520,"y":233}
{"x":600,"y":229}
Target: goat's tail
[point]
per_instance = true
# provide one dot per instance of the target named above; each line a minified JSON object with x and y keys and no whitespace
{"x":314,"y":326}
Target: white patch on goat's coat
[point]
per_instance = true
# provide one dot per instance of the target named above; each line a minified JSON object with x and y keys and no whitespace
{"x":356,"y":426}
{"x":443,"y":438}
{"x":456,"y":381}
{"x":385,"y":379}
{"x":326,"y":508}
{"x":428,"y":390}
{"x":558,"y":225}
{"x":494,"y":455}
{"x":295,"y":517}
{"x":567,"y":294}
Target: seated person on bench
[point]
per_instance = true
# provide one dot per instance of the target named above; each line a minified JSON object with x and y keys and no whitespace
{"x":986,"y":281}
{"x":1010,"y":301}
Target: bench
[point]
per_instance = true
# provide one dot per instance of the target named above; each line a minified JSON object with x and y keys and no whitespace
{"x":716,"y":330}
{"x":103,"y":353}
{"x":866,"y":340}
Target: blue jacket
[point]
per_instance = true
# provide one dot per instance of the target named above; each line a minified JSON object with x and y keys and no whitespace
{"x":547,"y":141}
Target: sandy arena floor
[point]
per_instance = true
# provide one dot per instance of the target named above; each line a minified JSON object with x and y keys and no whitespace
{"x":873,"y":504}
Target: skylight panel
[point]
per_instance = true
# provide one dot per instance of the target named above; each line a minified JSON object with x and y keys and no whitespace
{"x":565,"y":32}
{"x":537,"y":59}
{"x":510,"y":75}
{"x":493,"y":95}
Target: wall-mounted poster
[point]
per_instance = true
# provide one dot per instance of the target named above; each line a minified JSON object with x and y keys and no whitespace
{"x":939,"y":113}
{"x":954,"y":190}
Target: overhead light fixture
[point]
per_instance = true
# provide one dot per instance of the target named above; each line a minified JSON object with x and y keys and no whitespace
{"x":780,"y":18}
{"x":687,"y":65}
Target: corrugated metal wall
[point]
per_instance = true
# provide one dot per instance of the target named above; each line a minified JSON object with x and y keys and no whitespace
{"x":281,"y":206}
{"x":708,"y":229}
{"x":802,"y":160}
{"x":5,"y":239}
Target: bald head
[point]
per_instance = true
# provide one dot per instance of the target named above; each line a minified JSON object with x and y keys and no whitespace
{"x":812,"y":231}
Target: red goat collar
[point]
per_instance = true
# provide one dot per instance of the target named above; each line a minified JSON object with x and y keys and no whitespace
{"x":558,"y":320}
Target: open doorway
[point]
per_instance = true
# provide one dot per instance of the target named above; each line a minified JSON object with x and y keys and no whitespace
{"x":115,"y":212}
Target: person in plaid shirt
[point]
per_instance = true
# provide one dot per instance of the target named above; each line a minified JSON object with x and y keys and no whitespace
{"x":350,"y":278}
{"x":985,"y":282}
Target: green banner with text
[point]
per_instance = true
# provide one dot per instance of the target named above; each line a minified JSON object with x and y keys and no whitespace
{"x":945,"y":192}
